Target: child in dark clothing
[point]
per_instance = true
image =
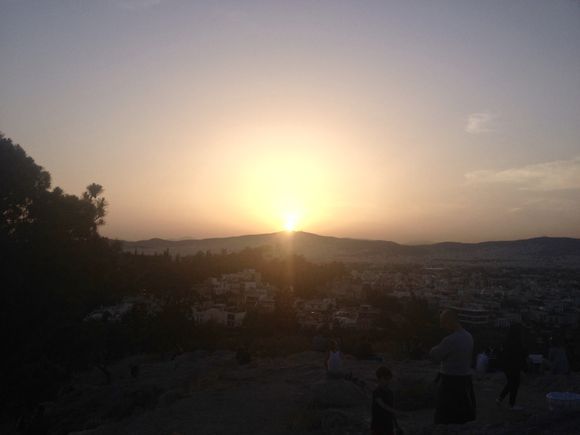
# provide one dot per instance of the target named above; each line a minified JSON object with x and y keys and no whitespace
{"x":383,"y":413}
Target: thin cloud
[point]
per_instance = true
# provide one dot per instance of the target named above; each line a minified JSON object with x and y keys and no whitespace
{"x":541,"y":177}
{"x":480,"y":122}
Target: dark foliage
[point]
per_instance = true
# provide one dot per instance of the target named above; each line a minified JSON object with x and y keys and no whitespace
{"x":56,"y":269}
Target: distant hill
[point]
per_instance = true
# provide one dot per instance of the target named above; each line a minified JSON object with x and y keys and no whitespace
{"x":541,"y":251}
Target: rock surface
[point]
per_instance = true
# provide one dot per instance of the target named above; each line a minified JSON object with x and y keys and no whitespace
{"x":210,"y":393}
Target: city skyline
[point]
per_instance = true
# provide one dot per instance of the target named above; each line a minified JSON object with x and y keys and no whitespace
{"x":412,"y":122}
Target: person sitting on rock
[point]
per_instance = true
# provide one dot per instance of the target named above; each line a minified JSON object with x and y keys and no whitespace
{"x":333,"y":363}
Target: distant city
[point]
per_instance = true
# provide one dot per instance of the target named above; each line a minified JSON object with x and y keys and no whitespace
{"x":486,"y":297}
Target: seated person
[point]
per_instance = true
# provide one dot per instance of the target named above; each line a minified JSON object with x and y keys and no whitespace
{"x":333,"y":363}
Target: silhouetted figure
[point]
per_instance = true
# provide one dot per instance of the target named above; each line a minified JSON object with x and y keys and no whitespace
{"x":513,"y":360}
{"x":383,"y":419}
{"x":134,"y":371}
{"x":559,"y":364}
{"x":455,"y":396}
{"x":334,"y":364}
{"x":482,"y":362}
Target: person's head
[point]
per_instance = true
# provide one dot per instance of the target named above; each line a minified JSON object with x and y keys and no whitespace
{"x":449,"y":321}
{"x":333,"y":345}
{"x":384,"y":375}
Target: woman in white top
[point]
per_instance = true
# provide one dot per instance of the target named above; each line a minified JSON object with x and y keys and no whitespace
{"x":333,"y":362}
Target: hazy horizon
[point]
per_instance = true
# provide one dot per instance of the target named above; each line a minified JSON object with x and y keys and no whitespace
{"x":417,"y":243}
{"x":416,"y":122}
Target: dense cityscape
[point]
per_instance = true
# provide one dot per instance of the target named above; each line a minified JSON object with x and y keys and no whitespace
{"x":545,"y":302}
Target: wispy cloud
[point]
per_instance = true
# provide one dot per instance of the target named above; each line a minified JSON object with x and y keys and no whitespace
{"x":549,"y":204}
{"x":542,"y":177}
{"x":480,"y":122}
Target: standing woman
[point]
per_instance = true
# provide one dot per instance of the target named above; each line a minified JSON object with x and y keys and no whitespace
{"x":513,"y":361}
{"x":456,"y":402}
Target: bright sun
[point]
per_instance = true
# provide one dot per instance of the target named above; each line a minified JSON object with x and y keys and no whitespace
{"x":290,"y":222}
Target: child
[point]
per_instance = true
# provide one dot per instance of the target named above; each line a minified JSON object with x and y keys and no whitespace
{"x":383,"y":413}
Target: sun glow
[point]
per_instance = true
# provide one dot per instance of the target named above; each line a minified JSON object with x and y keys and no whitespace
{"x":287,"y":178}
{"x":290,"y":222}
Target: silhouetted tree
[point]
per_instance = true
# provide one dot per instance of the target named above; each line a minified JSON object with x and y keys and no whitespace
{"x":56,"y":266}
{"x":92,"y":194}
{"x":22,"y":184}
{"x":57,"y":269}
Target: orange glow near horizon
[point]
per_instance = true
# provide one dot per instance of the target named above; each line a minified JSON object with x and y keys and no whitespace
{"x":286,"y":177}
{"x":291,"y":223}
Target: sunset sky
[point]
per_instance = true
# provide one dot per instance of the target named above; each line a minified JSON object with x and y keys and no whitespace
{"x":412,"y":121}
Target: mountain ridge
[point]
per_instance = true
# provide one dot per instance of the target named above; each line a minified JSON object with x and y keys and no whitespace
{"x":543,"y":251}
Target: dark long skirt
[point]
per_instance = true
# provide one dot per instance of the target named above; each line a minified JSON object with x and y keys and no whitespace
{"x":455,"y":400}
{"x":512,"y":386}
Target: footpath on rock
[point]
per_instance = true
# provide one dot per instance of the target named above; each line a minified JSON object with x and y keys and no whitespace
{"x":206,"y":393}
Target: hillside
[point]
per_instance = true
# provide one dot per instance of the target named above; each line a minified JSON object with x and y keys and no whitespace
{"x":210,"y":393}
{"x":542,"y":251}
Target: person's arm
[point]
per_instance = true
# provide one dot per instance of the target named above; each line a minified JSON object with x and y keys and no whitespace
{"x":439,"y":352}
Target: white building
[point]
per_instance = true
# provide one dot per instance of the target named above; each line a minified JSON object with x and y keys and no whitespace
{"x":220,"y":315}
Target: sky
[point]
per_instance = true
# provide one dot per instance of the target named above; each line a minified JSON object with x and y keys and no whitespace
{"x":411,"y":121}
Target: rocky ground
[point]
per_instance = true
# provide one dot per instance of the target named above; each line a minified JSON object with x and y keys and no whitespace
{"x":209,"y":393}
